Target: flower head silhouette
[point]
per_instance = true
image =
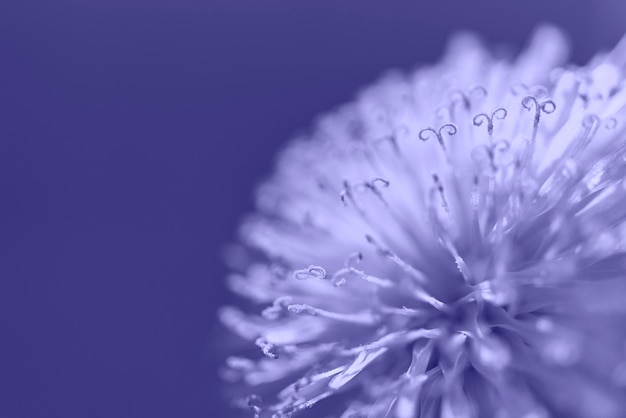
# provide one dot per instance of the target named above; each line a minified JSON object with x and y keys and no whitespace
{"x":451,"y":244}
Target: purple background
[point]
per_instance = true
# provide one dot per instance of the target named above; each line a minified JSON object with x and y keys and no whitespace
{"x":132,"y":133}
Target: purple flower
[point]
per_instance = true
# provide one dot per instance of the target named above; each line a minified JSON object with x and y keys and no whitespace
{"x":451,"y":244}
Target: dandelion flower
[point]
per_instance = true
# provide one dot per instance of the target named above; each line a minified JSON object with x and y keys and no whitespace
{"x":451,"y":244}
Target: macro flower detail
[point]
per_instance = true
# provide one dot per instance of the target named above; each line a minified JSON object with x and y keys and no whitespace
{"x":451,"y":244}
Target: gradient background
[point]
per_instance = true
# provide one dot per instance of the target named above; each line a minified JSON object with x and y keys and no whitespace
{"x":132,"y":133}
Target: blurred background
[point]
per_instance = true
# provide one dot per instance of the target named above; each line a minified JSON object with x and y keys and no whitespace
{"x":132,"y":134}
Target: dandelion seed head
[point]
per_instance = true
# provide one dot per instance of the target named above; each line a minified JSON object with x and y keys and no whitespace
{"x":450,"y":244}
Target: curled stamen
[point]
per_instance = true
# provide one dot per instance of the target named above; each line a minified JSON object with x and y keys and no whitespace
{"x":255,"y":403}
{"x":339,"y":278}
{"x":268,"y":349}
{"x":443,"y":113}
{"x":278,"y":270}
{"x":392,"y":138}
{"x":402,"y":130}
{"x":538,"y":90}
{"x":278,"y":306}
{"x":465,"y":98}
{"x":385,"y":183}
{"x":312,"y":272}
{"x":611,"y":123}
{"x":423,"y":131}
{"x":371,"y":185}
{"x":346,"y":193}
{"x":448,"y":128}
{"x":546,"y":106}
{"x":502,"y":145}
{"x":520,"y":88}
{"x":480,"y":91}
{"x":387,"y":138}
{"x":499,"y":113}
{"x":592,"y":123}
{"x":459,"y":96}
